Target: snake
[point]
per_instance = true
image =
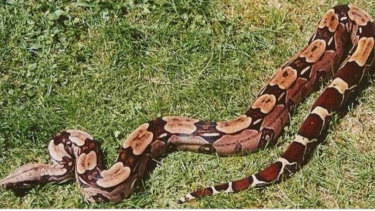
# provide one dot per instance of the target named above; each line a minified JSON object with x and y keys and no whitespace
{"x":343,"y":40}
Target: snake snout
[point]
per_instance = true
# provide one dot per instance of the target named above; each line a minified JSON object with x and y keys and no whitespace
{"x":23,"y":177}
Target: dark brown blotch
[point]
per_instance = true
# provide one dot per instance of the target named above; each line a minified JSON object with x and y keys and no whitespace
{"x":158,"y":148}
{"x":266,"y":137}
{"x":299,"y":64}
{"x":240,"y":185}
{"x":270,"y":173}
{"x":202,"y":192}
{"x":330,"y":99}
{"x":61,"y":137}
{"x":295,"y":153}
{"x":312,"y":126}
{"x":341,"y":10}
{"x":273,"y":90}
{"x":222,"y":187}
{"x":351,"y":73}
{"x":238,"y":148}
{"x":156,"y":126}
{"x":127,"y":157}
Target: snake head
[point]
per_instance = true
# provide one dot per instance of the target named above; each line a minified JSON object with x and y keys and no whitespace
{"x":32,"y":174}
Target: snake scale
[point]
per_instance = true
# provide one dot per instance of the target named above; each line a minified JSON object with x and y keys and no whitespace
{"x":75,"y":153}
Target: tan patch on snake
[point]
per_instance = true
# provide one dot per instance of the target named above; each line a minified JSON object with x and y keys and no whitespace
{"x":55,"y":170}
{"x":302,"y":140}
{"x":284,"y":78}
{"x":86,"y":162}
{"x":363,"y":51}
{"x":117,"y":174}
{"x":57,"y":152}
{"x":78,"y":137}
{"x":265,"y":103}
{"x":340,"y":85}
{"x":314,"y":51}
{"x":177,"y":124}
{"x":234,"y":125}
{"x":321,"y":112}
{"x":193,"y":140}
{"x":248,"y":139}
{"x":139,"y":139}
{"x":359,"y":16}
{"x":329,"y":20}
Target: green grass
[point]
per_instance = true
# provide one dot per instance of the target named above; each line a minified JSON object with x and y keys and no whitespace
{"x":108,"y":67}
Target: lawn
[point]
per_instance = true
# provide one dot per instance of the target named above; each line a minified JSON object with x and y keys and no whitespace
{"x":108,"y":67}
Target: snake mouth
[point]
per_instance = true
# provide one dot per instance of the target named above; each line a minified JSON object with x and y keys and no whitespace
{"x":5,"y":184}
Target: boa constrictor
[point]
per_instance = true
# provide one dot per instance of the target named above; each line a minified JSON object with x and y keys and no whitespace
{"x":76,"y":153}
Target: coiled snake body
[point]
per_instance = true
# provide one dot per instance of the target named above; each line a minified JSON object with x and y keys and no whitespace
{"x":75,"y":153}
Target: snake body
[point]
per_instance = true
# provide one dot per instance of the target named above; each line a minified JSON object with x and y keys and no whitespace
{"x":75,"y":153}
